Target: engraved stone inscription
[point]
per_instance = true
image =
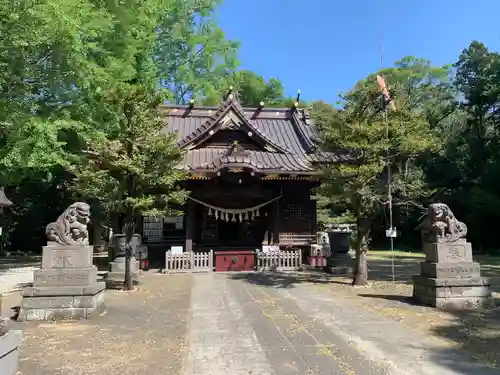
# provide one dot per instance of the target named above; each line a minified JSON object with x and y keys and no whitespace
{"x":63,"y":277}
{"x":70,"y":257}
{"x":459,"y":270}
{"x":455,"y":253}
{"x":62,"y":259}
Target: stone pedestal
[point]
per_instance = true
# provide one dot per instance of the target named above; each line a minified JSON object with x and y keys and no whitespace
{"x":340,"y":264}
{"x":116,"y":274}
{"x":340,"y":261}
{"x":449,"y":279}
{"x":65,"y":287}
{"x":9,"y":352}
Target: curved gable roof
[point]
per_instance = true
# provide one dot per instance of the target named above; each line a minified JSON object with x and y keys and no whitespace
{"x":215,"y":122}
{"x":287,"y":136}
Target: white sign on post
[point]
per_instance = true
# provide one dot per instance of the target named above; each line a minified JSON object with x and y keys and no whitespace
{"x":270,"y":248}
{"x":391,"y":233}
{"x":177,"y":249}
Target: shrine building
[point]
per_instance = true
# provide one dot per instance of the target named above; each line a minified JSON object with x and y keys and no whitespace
{"x":251,"y":174}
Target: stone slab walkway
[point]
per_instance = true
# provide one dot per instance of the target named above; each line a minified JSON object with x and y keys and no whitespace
{"x":237,"y":324}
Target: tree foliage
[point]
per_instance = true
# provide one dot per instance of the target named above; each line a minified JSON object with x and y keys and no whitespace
{"x":374,"y":141}
{"x":67,"y":67}
{"x":194,"y":58}
{"x":132,"y":171}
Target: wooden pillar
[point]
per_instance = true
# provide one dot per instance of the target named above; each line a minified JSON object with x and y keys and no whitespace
{"x":314,"y":214}
{"x":276,"y":223}
{"x":190,"y":224}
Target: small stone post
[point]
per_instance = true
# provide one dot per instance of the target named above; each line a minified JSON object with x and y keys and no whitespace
{"x":449,"y":278}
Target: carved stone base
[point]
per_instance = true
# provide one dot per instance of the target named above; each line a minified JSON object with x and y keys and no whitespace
{"x":453,"y":293}
{"x":62,"y":302}
{"x":340,"y":264}
{"x":65,"y":287}
{"x":9,"y":352}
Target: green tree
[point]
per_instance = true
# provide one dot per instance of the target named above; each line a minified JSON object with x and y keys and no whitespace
{"x":360,"y":130}
{"x":61,"y":59}
{"x":253,"y":89}
{"x":193,"y":56}
{"x":467,"y":172}
{"x":133,"y":171}
{"x":44,"y":49}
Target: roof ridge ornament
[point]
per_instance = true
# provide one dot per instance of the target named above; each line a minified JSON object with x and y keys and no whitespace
{"x":237,"y":150}
{"x":232,"y":94}
{"x":296,"y":104}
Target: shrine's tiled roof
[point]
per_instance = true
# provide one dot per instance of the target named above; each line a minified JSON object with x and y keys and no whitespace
{"x":288,"y":138}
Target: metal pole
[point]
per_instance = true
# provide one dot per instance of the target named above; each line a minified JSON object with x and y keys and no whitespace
{"x":388,"y":156}
{"x":389,"y":191}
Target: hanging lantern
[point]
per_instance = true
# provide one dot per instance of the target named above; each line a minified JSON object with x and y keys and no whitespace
{"x":265,"y":214}
{"x":227,"y":217}
{"x":257,"y":214}
{"x":246,"y":216}
{"x":241,"y":217}
{"x":216,"y":214}
{"x":233,"y":219}
{"x":209,"y":211}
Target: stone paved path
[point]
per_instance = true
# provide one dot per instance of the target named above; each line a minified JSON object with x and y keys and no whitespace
{"x":251,"y":324}
{"x":236,"y":324}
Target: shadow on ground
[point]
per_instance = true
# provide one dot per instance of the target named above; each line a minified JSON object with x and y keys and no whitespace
{"x":476,"y":332}
{"x":278,"y":279}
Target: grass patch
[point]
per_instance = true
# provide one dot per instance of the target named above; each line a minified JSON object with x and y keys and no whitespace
{"x":387,"y":254}
{"x":492,"y":261}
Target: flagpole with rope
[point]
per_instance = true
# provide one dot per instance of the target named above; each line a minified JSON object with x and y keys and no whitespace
{"x":386,"y":102}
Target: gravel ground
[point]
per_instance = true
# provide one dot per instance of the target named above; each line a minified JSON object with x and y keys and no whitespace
{"x":142,"y":332}
{"x":242,"y":324}
{"x":268,"y":323}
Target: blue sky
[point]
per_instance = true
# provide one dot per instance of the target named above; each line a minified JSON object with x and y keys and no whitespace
{"x":322,"y":47}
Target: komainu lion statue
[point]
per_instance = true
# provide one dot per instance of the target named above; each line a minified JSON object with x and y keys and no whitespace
{"x":70,"y":228}
{"x":440,"y":225}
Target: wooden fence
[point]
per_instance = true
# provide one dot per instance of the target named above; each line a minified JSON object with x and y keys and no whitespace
{"x":189,"y":262}
{"x":279,"y":260}
{"x":203,"y":262}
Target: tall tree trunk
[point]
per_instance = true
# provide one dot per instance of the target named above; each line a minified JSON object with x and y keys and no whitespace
{"x":128,"y":283}
{"x":97,"y":242}
{"x":360,"y":277}
{"x":131,"y":193}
